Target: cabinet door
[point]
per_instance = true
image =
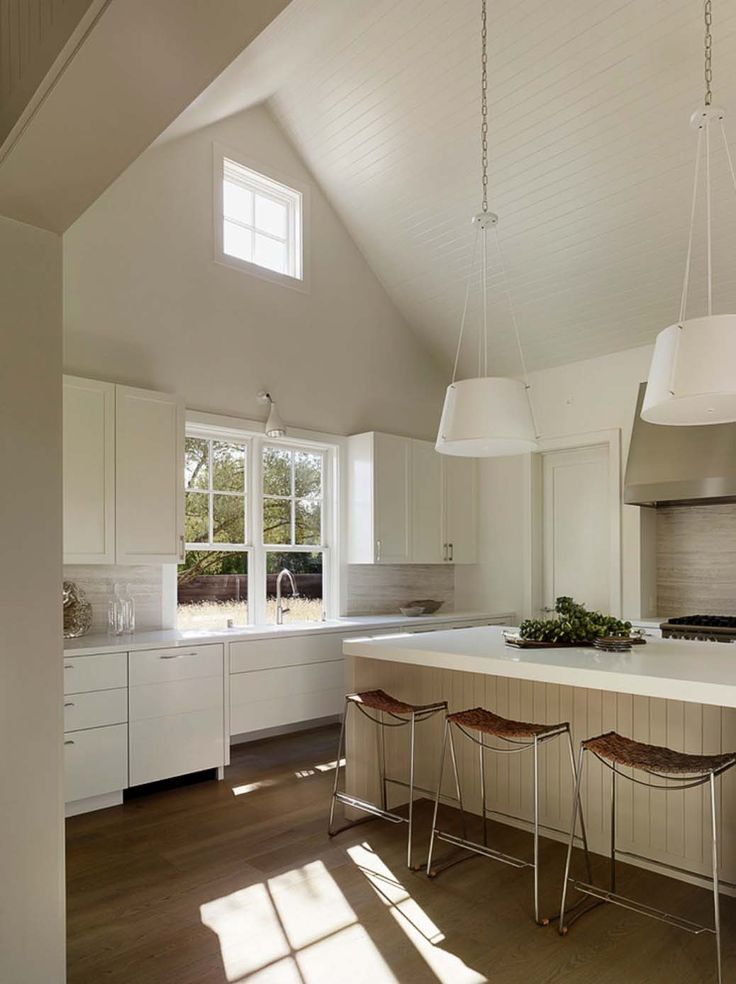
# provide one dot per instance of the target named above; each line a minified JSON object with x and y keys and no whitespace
{"x":426,"y":504}
{"x":461,"y":509}
{"x":149,"y":477}
{"x":95,"y":762}
{"x":89,"y":471}
{"x":392,"y":499}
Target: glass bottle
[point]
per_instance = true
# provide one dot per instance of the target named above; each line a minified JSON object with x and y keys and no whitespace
{"x":115,"y":612}
{"x":128,"y":610}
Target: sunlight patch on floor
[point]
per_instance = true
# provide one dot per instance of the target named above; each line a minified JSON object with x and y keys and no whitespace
{"x":295,"y":927}
{"x":412,"y":919}
{"x":251,"y":787}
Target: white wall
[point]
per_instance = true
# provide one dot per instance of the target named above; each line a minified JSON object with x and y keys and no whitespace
{"x":146,"y":304}
{"x":31,"y":801}
{"x":574,"y":399}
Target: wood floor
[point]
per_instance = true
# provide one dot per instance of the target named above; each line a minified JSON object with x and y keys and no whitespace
{"x":237,"y":881}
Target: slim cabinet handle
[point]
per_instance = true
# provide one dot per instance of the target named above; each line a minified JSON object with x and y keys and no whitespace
{"x":69,"y":703}
{"x":69,"y":741}
{"x":68,"y":666}
{"x":452,"y":552}
{"x":378,"y":550}
{"x":178,"y":655}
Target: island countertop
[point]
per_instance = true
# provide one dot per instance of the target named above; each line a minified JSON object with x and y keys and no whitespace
{"x":676,"y":669}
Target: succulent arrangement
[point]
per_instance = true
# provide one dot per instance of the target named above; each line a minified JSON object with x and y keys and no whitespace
{"x":573,"y":623}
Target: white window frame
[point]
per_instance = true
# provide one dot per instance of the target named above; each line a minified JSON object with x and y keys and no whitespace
{"x":214,"y":427}
{"x":280,"y":187}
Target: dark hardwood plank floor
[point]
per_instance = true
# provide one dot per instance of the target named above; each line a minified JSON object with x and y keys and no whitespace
{"x":237,"y":881}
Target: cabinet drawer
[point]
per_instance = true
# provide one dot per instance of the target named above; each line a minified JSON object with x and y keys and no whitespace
{"x":152,"y":700}
{"x":269,"y":698}
{"x":96,"y":709}
{"x":102,"y":672}
{"x":182,"y":663}
{"x":266,"y":654}
{"x":95,"y":762}
{"x":176,"y":744}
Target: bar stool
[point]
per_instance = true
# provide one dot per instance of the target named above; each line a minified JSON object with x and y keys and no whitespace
{"x":613,"y":750}
{"x":402,"y":715}
{"x":519,"y":736}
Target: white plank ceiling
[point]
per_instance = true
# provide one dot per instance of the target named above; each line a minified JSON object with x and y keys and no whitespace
{"x":591,"y":157}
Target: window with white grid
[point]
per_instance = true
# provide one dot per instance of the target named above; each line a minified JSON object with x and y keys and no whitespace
{"x":261,"y":221}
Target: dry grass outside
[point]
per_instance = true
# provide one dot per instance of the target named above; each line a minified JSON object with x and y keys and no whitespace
{"x":214,"y":614}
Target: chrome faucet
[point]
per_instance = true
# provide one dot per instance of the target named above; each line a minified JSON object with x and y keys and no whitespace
{"x":280,"y":610}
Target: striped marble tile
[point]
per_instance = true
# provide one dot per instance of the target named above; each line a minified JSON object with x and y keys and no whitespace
{"x":696,"y":560}
{"x":97,"y":581}
{"x":376,"y":589}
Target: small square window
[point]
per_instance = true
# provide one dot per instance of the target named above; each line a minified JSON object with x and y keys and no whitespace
{"x":261,"y":221}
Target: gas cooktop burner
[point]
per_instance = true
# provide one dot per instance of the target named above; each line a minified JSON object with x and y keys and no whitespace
{"x":705,"y":621}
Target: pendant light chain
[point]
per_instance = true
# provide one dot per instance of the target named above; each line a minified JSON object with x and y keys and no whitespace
{"x":708,"y":14}
{"x":484,"y":103}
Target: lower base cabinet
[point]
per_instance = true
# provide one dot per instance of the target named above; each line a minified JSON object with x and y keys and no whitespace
{"x":176,"y":712}
{"x":95,"y":761}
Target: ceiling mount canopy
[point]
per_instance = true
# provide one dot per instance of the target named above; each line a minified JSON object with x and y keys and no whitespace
{"x":692,"y":377}
{"x":486,"y":416}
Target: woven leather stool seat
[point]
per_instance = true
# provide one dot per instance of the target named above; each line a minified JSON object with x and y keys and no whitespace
{"x":379,"y":700}
{"x":653,"y":758}
{"x":479,"y":719}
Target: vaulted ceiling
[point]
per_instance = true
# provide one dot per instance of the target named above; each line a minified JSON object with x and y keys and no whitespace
{"x":591,"y":156}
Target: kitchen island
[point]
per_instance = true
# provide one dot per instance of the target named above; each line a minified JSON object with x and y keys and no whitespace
{"x":668,"y":692}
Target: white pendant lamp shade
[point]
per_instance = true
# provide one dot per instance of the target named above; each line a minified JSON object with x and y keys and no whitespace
{"x":486,"y":417}
{"x":692,"y":378}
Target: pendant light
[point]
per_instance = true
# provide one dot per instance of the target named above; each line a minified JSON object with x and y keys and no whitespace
{"x":486,"y":416}
{"x":692,"y":377}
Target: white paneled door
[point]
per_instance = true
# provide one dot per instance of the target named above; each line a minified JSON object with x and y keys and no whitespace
{"x":576,"y":537}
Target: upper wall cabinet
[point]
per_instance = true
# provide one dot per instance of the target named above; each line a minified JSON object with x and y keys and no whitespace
{"x":379,"y":513}
{"x":149,"y":477}
{"x":123,"y":474}
{"x":89,"y":471}
{"x":408,"y":504}
{"x":460,"y":509}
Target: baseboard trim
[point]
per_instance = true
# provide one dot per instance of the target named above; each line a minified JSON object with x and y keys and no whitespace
{"x":284,"y":729}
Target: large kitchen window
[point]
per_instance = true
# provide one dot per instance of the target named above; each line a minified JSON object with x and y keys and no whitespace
{"x":255,"y":507}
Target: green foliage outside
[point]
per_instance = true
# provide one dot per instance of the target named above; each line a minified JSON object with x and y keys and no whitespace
{"x":216,"y":507}
{"x":573,"y":623}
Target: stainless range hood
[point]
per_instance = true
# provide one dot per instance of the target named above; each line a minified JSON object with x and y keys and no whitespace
{"x":685,"y":465}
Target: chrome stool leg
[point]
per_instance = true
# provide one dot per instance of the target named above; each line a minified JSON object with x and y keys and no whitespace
{"x":716,"y":900}
{"x":484,"y":814}
{"x":443,"y":753}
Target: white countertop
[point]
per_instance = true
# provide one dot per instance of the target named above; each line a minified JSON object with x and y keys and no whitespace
{"x":677,"y":669}
{"x":170,"y":638}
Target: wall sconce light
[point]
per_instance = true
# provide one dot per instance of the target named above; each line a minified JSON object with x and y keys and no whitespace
{"x":274,"y":423}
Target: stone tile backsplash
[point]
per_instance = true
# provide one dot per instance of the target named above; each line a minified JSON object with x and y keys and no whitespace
{"x":696,"y":560}
{"x":97,"y":580}
{"x":379,"y":589}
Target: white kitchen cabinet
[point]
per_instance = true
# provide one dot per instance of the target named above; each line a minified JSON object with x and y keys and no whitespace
{"x":427,"y":505}
{"x":123,"y":474}
{"x":99,"y":671}
{"x":149,"y":477}
{"x":379,"y":482}
{"x":176,"y":709}
{"x":460,"y":493}
{"x":95,"y":762}
{"x":89,"y":471}
{"x":408,"y":504}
